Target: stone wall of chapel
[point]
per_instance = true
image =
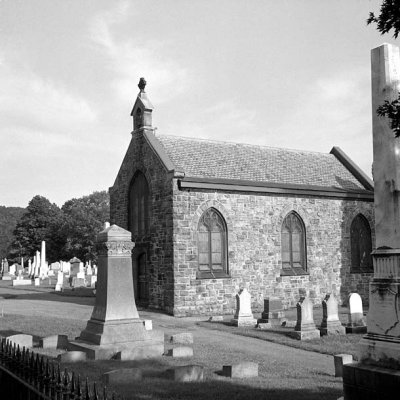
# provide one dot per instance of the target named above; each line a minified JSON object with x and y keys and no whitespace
{"x":158,"y":241}
{"x":254,"y":250}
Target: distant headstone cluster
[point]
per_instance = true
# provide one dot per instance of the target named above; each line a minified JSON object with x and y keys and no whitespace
{"x":61,"y":274}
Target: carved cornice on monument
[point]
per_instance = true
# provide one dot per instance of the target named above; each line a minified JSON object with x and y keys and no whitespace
{"x":115,"y":249}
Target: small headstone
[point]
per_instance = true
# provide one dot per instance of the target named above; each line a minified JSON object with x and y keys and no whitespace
{"x":181,"y":352}
{"x":13,"y":269}
{"x":288,"y":323}
{"x":37,"y":281}
{"x":121,"y":376}
{"x":356,"y":322}
{"x":305,"y":328}
{"x":182,"y":338}
{"x":273,"y":311}
{"x":331,"y":324}
{"x":148,"y":324}
{"x":340,"y":360}
{"x":22,"y":340}
{"x":264,"y":325}
{"x":245,"y":369}
{"x":186,"y":373}
{"x":72,"y":356}
{"x":92,"y":280}
{"x":54,"y":342}
{"x":243,"y":315}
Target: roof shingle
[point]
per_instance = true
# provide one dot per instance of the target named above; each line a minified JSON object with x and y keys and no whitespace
{"x":224,"y":160}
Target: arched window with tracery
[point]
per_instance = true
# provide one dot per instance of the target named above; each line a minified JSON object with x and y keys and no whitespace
{"x":293,"y":241}
{"x":212,"y":245}
{"x":138,"y":220}
{"x":361,"y":245}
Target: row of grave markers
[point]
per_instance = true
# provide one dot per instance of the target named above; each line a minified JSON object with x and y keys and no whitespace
{"x":305,"y":328}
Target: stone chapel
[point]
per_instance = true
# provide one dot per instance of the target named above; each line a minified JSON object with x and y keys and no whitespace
{"x":209,"y":217}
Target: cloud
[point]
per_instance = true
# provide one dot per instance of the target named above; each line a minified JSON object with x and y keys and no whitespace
{"x":333,"y":111}
{"x":34,"y":103}
{"x":128,"y":60}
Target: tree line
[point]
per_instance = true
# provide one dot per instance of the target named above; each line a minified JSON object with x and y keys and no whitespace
{"x":69,"y":231}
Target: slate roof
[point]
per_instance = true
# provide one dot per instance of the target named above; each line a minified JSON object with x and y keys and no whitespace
{"x":225,"y":160}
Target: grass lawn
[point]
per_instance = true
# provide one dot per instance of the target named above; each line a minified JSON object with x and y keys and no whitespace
{"x":277,"y":379}
{"x":332,"y":345}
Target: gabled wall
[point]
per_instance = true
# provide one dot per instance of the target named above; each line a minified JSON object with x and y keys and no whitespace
{"x":158,"y":242}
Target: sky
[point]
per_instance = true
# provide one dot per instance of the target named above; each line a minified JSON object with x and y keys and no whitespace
{"x":288,"y":73}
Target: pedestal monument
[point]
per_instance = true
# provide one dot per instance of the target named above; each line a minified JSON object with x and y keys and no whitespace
{"x":115,"y":329}
{"x":377,"y":375}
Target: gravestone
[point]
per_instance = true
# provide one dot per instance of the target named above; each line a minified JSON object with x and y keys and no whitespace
{"x":331,"y":324}
{"x":74,"y":266}
{"x":246,"y":369}
{"x":115,"y":327}
{"x":181,"y":352}
{"x":54,"y":342}
{"x":377,"y":374}
{"x":305,"y":328}
{"x":60,"y":281}
{"x":243,"y":315}
{"x":356,"y":321}
{"x":273,"y":312}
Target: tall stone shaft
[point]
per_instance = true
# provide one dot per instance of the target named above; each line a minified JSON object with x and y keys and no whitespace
{"x":385,"y":61}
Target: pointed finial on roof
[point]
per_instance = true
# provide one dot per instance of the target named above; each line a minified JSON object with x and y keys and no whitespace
{"x":142,"y":84}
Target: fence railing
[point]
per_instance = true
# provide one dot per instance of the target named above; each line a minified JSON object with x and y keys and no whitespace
{"x":25,"y":375}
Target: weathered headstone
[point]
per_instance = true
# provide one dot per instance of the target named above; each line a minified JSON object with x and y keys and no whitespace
{"x":54,"y":342}
{"x":377,"y":373}
{"x":181,"y":352}
{"x":340,"y":360}
{"x":22,"y":340}
{"x":356,"y":322}
{"x":243,"y":315}
{"x":115,"y":326}
{"x":331,"y":324}
{"x":273,"y":312}
{"x":305,"y":328}
{"x":182,"y":338}
{"x":60,"y":281}
{"x":246,"y":369}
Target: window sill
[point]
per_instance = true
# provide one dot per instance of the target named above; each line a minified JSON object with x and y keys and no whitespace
{"x":293,"y":272}
{"x":209,"y":275}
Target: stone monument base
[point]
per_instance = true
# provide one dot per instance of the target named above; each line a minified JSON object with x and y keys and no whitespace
{"x":244,"y":321}
{"x":380,"y":350}
{"x":120,"y":339}
{"x":356,"y":329}
{"x":361,"y":382}
{"x":275,"y":318}
{"x":306,"y":335}
{"x":335,"y":328}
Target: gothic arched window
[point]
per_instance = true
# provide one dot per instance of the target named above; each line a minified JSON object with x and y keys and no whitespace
{"x":212,"y":245}
{"x":293,"y":238}
{"x":138,"y":219}
{"x":361,"y":245}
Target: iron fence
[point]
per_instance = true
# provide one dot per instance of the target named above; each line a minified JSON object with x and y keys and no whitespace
{"x":25,"y":375}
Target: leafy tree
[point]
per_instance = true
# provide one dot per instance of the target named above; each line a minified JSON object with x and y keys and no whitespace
{"x":41,"y":221}
{"x":84,"y":219}
{"x":9,"y":216}
{"x":388,"y":19}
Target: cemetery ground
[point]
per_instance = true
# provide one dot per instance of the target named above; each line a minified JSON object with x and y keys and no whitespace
{"x":287,"y":367}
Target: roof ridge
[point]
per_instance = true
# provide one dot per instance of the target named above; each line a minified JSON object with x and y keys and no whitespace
{"x":242,"y":144}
